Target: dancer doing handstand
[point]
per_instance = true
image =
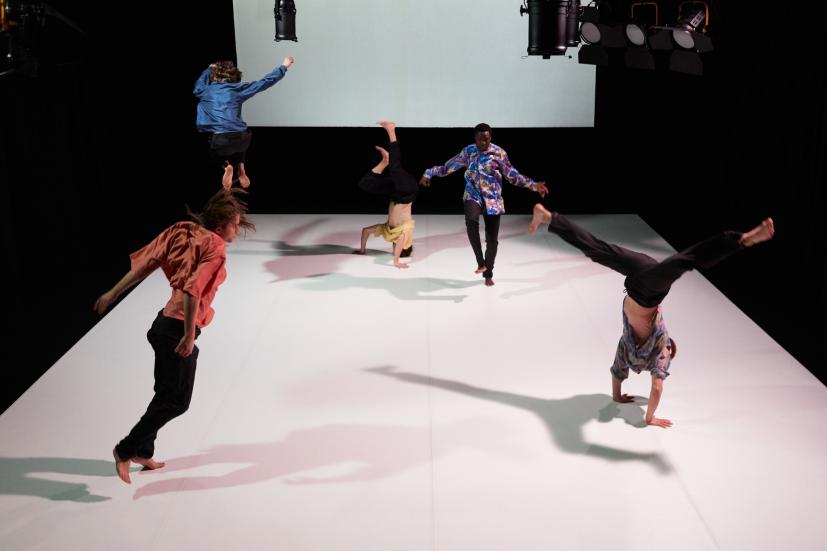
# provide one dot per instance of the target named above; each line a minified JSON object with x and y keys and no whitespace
{"x":645,"y":344}
{"x":389,"y":178}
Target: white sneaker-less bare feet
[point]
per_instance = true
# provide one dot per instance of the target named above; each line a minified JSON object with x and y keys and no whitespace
{"x":227,"y":179}
{"x":243,"y":179}
{"x":539,"y":217}
{"x":760,"y":233}
{"x":149,"y":464}
{"x":122,"y":467}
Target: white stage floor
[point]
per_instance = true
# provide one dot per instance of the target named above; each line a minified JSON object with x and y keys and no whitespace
{"x":342,"y":404}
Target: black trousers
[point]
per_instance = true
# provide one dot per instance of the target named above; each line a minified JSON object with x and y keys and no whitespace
{"x":174,"y":379}
{"x":395,"y":181}
{"x":230,"y":147}
{"x":647,"y":280}
{"x":473,"y":210}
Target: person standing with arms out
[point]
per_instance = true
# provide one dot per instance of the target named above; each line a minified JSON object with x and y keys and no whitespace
{"x":485,"y":164}
{"x":192,"y":257}
{"x":221,"y":94}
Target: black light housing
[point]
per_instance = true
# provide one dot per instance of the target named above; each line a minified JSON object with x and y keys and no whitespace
{"x":285,"y":13}
{"x":552,"y":26}
{"x":556,"y":25}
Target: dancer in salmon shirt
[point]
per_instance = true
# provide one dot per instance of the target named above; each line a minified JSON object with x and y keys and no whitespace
{"x":192,"y":256}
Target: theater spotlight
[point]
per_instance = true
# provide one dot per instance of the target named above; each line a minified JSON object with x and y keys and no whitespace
{"x":591,"y":52}
{"x":642,"y":17}
{"x":552,"y":26}
{"x":285,"y":12}
{"x":693,"y":16}
{"x":686,"y":33}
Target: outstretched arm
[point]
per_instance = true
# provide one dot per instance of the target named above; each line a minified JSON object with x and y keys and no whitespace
{"x":454,"y":163}
{"x":515,"y":178}
{"x":654,"y":399}
{"x":246,"y":90}
{"x":105,"y":300}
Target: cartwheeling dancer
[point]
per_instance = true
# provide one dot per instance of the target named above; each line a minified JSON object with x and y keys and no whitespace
{"x":192,"y":257}
{"x":645,"y":343}
{"x":389,"y":178}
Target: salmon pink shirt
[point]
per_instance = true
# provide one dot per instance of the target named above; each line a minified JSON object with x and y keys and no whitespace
{"x":193,"y":258}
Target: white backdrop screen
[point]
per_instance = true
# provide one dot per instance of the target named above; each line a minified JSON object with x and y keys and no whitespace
{"x":422,"y":63}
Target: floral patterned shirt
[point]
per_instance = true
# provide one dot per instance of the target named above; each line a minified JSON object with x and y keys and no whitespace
{"x":650,"y":355}
{"x":483,"y":175}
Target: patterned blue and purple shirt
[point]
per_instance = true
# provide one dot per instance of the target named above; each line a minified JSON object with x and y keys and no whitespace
{"x":650,"y":355}
{"x":483,"y":175}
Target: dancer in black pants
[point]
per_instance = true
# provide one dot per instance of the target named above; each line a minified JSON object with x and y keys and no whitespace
{"x":390,"y":179}
{"x":645,"y":344}
{"x":192,"y":256}
{"x":221,"y":93}
{"x":485,"y":164}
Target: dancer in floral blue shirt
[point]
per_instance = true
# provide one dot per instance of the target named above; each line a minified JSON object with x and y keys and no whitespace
{"x":485,"y":166}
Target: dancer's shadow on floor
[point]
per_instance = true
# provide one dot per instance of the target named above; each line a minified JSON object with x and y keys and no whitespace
{"x":554,"y":278}
{"x":564,"y":418}
{"x":345,"y":453}
{"x":402,"y":288}
{"x":297,"y":261}
{"x":18,"y":476}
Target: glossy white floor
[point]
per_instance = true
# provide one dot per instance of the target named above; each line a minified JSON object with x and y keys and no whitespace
{"x":342,"y":404}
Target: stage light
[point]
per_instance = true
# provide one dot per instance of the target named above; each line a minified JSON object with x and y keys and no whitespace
{"x":551,"y":26}
{"x":589,"y":29}
{"x":642,"y":17}
{"x":285,"y":12}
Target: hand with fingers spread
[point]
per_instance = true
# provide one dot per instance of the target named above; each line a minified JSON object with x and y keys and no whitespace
{"x":663,"y":423}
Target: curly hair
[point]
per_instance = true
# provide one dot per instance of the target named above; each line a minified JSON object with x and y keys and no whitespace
{"x":224,"y":71}
{"x":481,"y":127}
{"x":221,"y":209}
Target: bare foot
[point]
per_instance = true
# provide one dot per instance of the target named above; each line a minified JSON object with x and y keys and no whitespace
{"x":540,"y":216}
{"x":390,"y":128}
{"x":148,"y":464}
{"x":243,"y":179}
{"x":387,"y":125}
{"x":479,"y":270}
{"x":385,"y":155}
{"x":227,"y":179}
{"x":489,"y":282}
{"x":760,"y":233}
{"x":359,"y":251}
{"x":122,"y":467}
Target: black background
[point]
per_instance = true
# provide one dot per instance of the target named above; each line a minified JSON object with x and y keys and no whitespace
{"x":99,"y":153}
